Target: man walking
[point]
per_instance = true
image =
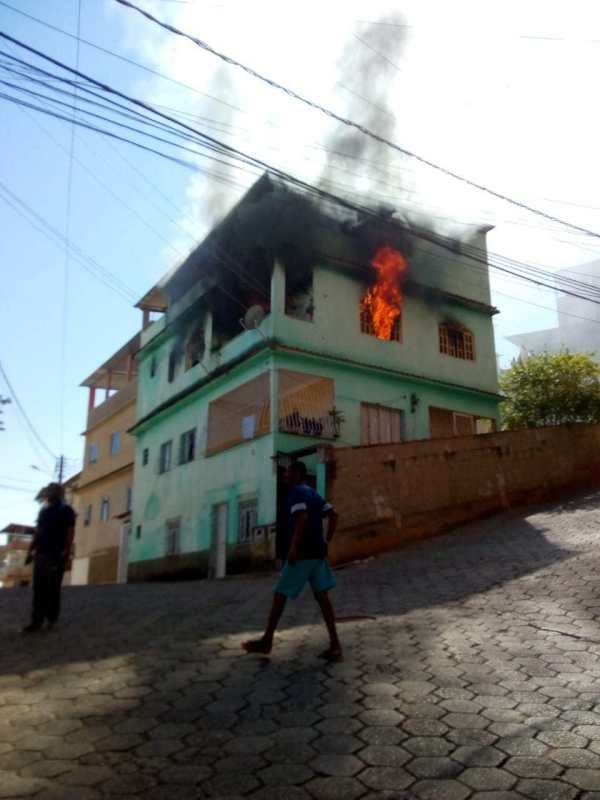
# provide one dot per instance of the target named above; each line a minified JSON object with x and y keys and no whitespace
{"x":50,"y":550}
{"x":306,"y":562}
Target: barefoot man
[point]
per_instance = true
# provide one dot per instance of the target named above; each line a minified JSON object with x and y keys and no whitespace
{"x":306,"y":561}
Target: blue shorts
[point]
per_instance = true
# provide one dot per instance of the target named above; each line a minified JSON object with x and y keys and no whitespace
{"x":315,"y":571}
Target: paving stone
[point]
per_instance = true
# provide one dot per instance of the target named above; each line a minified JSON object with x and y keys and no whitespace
{"x":13,"y":786}
{"x":382,"y":736}
{"x":337,"y":765}
{"x":522,"y":746}
{"x":189,"y":774}
{"x":338,"y":745}
{"x":286,"y":775}
{"x":249,"y":744}
{"x":583,"y":778}
{"x":290,"y":753}
{"x":427,"y":746}
{"x":562,"y":739}
{"x":478,"y":756}
{"x":571,"y":757}
{"x":546,"y":790}
{"x":487,"y":778}
{"x":434,"y":768}
{"x":386,"y":778}
{"x":279,"y":793}
{"x":335,"y":788}
{"x":86,"y":776}
{"x":440,"y":790}
{"x":384,"y":756}
{"x":531,"y":767}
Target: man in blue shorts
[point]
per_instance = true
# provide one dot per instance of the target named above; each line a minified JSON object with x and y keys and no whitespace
{"x":306,"y":562}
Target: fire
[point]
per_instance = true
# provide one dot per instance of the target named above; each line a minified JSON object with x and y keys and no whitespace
{"x":383,"y":302}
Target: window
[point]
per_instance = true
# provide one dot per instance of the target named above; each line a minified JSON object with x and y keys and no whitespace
{"x":366,"y":323}
{"x":105,"y":509}
{"x":172,"y":543}
{"x":187,"y":446}
{"x":305,"y":404}
{"x":195,"y":346}
{"x":129,"y":499}
{"x":380,"y":425}
{"x":240,"y":415}
{"x":145,"y":456}
{"x":456,"y":341}
{"x":172,"y":366}
{"x":138,"y":531}
{"x":87,"y":517}
{"x":153,"y":366}
{"x":445,"y":422}
{"x":299,"y":294}
{"x":115,"y":443}
{"x":164,"y":462}
{"x":93,"y":454}
{"x":247,"y":514}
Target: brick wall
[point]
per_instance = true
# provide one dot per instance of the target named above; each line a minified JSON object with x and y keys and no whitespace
{"x":388,"y":495}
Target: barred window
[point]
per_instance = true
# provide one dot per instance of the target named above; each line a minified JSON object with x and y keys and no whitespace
{"x":456,"y":342}
{"x":366,"y":324}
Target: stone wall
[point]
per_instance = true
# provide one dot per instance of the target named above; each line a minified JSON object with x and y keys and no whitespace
{"x":387,"y":495}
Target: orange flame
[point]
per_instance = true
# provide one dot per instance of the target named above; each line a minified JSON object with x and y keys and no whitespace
{"x":383,"y":302}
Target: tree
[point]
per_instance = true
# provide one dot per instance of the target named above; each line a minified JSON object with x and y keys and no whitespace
{"x":551,"y":389}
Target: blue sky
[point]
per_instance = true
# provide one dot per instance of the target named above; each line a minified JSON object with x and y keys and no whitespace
{"x":500,"y":94}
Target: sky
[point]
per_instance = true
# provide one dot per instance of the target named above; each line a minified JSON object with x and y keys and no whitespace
{"x":499,"y":92}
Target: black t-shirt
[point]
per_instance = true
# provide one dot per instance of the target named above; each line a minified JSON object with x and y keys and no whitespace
{"x":53,"y":526}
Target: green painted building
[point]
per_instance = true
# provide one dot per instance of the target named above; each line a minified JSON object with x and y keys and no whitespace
{"x":264,"y":350}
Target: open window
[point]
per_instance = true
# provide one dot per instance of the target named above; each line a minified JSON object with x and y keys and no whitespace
{"x":456,"y":341}
{"x":194,"y":348}
{"x":299,"y":294}
{"x":367,"y":325}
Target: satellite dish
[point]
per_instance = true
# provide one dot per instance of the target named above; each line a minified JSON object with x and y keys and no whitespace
{"x":253,"y":317}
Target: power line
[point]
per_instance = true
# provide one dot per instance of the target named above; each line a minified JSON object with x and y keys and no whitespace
{"x":65,"y":309}
{"x":43,"y":226}
{"x":19,"y":405}
{"x":477,"y":255}
{"x":232,"y":106}
{"x":357,"y":126}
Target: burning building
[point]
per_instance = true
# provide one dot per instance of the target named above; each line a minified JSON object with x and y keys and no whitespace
{"x":290,"y":330}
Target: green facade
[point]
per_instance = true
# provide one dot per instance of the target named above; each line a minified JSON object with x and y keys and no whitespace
{"x":411,"y":375}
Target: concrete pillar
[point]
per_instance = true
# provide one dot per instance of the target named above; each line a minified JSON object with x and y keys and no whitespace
{"x":109,"y":384}
{"x":278,"y":290}
{"x":91,"y":399}
{"x":274,"y":397}
{"x":145,"y":318}
{"x":208,"y":337}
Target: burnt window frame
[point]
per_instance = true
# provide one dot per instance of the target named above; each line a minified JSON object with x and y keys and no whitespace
{"x":187,"y":447}
{"x":165,"y":464}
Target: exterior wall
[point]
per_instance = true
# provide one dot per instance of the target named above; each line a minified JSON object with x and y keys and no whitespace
{"x":335,"y":332}
{"x":190,"y":491}
{"x":388,"y":495}
{"x":411,"y":376}
{"x":110,"y":477}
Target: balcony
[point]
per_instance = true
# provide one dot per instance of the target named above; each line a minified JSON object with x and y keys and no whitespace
{"x":113,"y":404}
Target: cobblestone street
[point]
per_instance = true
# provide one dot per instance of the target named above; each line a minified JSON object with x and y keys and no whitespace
{"x":472,"y":670}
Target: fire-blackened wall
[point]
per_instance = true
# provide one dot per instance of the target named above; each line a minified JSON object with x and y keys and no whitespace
{"x":388,"y":495}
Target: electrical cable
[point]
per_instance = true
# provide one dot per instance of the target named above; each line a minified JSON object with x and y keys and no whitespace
{"x":357,"y":126}
{"x":24,"y":414}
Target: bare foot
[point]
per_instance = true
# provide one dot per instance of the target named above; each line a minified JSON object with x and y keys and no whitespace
{"x":333,"y":653}
{"x":261,"y":646}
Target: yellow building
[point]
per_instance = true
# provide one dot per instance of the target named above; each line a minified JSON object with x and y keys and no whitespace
{"x":105,"y":485}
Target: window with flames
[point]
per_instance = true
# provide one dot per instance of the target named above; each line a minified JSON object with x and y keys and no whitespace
{"x":366,"y":323}
{"x":456,"y":342}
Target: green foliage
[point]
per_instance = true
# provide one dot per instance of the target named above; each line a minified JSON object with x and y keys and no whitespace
{"x":551,"y":389}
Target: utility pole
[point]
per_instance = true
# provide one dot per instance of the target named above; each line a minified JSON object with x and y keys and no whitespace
{"x":60,"y":468}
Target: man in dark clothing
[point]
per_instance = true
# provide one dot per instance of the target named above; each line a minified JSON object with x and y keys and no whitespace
{"x":50,"y":550}
{"x":306,"y":549}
